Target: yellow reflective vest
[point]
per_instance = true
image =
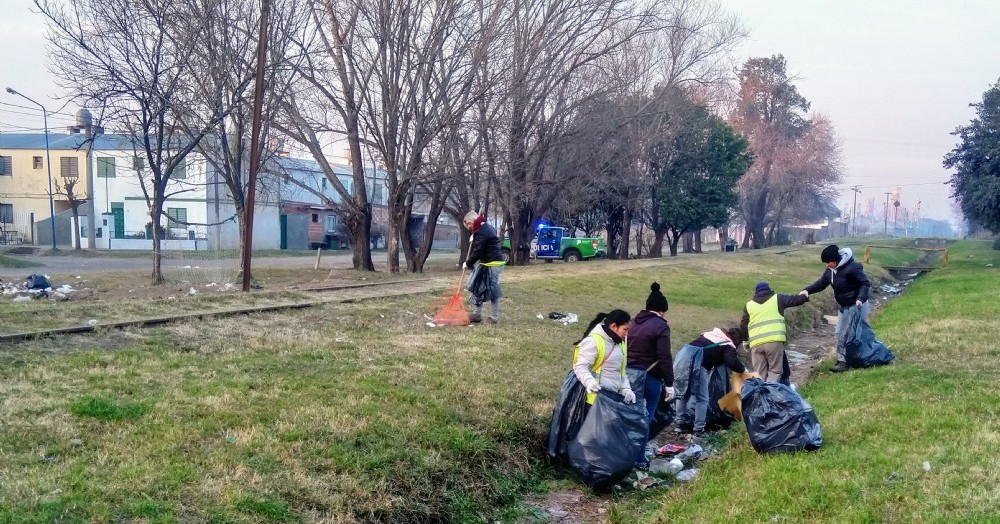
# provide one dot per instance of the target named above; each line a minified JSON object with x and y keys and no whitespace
{"x":766,"y":323}
{"x":599,"y":361}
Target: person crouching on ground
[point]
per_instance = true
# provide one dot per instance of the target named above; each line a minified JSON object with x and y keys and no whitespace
{"x":649,"y":351}
{"x":691,"y":368}
{"x":599,"y":360}
{"x":850,"y":289}
{"x":763,"y":326}
{"x":484,"y":281}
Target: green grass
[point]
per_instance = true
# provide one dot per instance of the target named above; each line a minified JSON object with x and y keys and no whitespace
{"x":361,"y":413}
{"x":6,"y":261}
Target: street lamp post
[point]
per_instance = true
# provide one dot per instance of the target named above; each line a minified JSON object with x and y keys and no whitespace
{"x":48,"y":163}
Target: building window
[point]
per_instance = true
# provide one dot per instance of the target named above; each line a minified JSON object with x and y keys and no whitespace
{"x":315,"y":217}
{"x":331,"y":223}
{"x":180,"y":171}
{"x":69,"y":166}
{"x":7,"y":213}
{"x":36,"y":162}
{"x":5,"y":166}
{"x":138,"y":163}
{"x":105,"y":167}
{"x":177,"y":217}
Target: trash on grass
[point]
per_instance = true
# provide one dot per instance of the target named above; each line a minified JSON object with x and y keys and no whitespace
{"x":669,"y":449}
{"x":687,"y":475}
{"x":693,"y":451}
{"x":927,"y":466}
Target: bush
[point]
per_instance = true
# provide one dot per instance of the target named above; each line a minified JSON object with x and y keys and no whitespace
{"x":996,"y":243}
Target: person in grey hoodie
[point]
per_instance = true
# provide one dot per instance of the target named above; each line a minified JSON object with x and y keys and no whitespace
{"x":850,"y":289}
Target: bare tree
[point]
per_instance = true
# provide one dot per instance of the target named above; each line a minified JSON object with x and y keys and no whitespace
{"x":325,"y":109}
{"x":68,"y":189}
{"x":127,"y":57}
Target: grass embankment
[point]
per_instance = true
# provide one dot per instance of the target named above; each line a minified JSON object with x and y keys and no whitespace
{"x":345,"y":413}
{"x":6,"y":261}
{"x":938,"y":403}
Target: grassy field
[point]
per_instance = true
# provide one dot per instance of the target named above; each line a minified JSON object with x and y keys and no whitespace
{"x":6,"y":261}
{"x":938,"y":404}
{"x":361,"y":413}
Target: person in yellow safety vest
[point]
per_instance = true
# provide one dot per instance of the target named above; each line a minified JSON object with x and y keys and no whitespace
{"x":600,"y":356}
{"x":484,"y":281}
{"x":763,"y":326}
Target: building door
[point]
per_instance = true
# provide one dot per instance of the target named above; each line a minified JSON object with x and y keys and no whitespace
{"x":283,"y":224}
{"x":118,"y":210}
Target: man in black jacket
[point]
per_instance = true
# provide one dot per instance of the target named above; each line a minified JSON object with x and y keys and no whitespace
{"x":484,"y":282}
{"x":850,"y":288}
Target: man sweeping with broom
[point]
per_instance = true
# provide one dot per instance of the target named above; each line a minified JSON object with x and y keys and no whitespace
{"x":484,"y":282}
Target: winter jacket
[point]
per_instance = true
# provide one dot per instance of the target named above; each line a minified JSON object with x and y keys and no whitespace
{"x":648,"y":342}
{"x":612,"y":374}
{"x":848,"y":279}
{"x":784,"y":301}
{"x":713,"y":357}
{"x":485,"y":247}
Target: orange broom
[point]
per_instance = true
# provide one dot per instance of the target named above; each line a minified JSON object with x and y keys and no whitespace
{"x":453,"y":313}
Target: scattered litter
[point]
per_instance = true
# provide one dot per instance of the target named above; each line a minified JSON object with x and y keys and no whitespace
{"x":927,"y":466}
{"x":775,"y":518}
{"x":78,"y":276}
{"x":186,"y":267}
{"x":687,"y":475}
{"x":65,"y":288}
{"x":59,"y":296}
{"x":666,"y":467}
{"x":431,"y":324}
{"x":989,"y":265}
{"x":669,"y":449}
{"x":211,"y":284}
{"x":894,"y":476}
{"x":231,"y":439}
{"x":228,"y":286}
{"x":21,"y":299}
{"x":565,"y":318}
{"x":886,"y":288}
{"x":914,"y":275}
{"x":408,"y":312}
{"x":540,"y":317}
{"x":92,"y":322}
{"x":47,"y":459}
{"x":171,"y":298}
{"x":693,"y":451}
{"x":192,"y":291}
{"x":341,"y":339}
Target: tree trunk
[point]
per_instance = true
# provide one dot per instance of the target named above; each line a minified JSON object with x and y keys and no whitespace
{"x":656,"y":250}
{"x":614,"y":229}
{"x":241,"y":222}
{"x":723,"y":238}
{"x":688,"y":245}
{"x":697,"y":241}
{"x":359,"y":225}
{"x":76,"y":229}
{"x":626,"y":233}
{"x":674,"y":238}
{"x":155,"y":215}
{"x":520,"y":242}
{"x":463,"y":245}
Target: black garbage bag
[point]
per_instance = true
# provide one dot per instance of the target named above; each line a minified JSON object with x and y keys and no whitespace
{"x":862,"y":349}
{"x":609,"y":441}
{"x":663,"y":417}
{"x":778,"y":420}
{"x":718,"y":387}
{"x":567,"y":416}
{"x":37,"y":282}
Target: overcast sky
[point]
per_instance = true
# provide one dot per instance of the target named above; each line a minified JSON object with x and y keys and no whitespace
{"x":895,"y":77}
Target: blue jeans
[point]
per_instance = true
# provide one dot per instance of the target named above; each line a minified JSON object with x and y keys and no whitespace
{"x":691,"y":388}
{"x":651,"y":391}
{"x":866,"y":310}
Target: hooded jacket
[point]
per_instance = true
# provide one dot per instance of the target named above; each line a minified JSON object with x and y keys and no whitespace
{"x":612,"y":378}
{"x":648,"y":342}
{"x":848,"y":280}
{"x":485,"y":247}
{"x":784,"y":301}
{"x":723,"y":353}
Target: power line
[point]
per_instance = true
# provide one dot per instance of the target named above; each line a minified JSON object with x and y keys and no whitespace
{"x":35,"y":110}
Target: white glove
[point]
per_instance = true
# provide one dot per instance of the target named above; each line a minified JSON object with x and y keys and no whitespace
{"x":668,"y":393}
{"x":592,"y":386}
{"x":629,"y":396}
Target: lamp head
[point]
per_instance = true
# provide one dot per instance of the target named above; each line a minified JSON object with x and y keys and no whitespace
{"x":11,"y":91}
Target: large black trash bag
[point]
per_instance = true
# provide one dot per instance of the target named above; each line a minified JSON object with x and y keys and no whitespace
{"x":609,"y":441}
{"x":567,"y":416}
{"x":862,"y":349}
{"x":778,"y":420}
{"x":718,"y":387}
{"x":36,"y":282}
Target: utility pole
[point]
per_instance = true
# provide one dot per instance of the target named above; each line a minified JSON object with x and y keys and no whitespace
{"x":885,"y":227}
{"x":854,"y":211}
{"x":258,"y":101}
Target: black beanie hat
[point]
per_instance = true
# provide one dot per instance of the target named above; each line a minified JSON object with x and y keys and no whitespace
{"x":656,"y":301}
{"x":830,"y":253}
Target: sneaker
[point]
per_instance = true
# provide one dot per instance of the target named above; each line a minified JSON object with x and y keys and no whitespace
{"x":492,"y":321}
{"x":839,"y":366}
{"x":475,"y":318}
